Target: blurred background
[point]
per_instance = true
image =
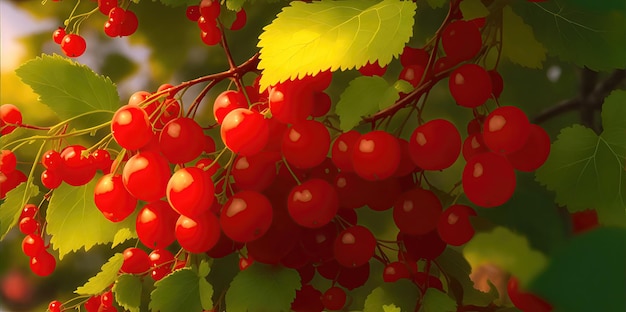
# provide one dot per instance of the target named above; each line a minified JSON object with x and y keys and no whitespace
{"x":167,"y":49}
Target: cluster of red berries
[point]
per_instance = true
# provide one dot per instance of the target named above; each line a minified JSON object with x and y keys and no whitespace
{"x":206,"y":16}
{"x":42,"y":262}
{"x":96,"y":303}
{"x":10,"y":177}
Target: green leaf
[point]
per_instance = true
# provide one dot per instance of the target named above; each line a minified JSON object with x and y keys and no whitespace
{"x":127,"y":290}
{"x":508,"y":251}
{"x":459,"y":270}
{"x":206,"y":294}
{"x":263,"y":287}
{"x":403,"y":294}
{"x":391,"y":308}
{"x":604,"y":5}
{"x":234,"y":5}
{"x":596,"y":40}
{"x":602,"y":252}
{"x":518,"y":41}
{"x":307,"y":38}
{"x":436,"y":301}
{"x":104,"y":278}
{"x":180,"y":291}
{"x":436,"y":3}
{"x":13,"y":204}
{"x":67,"y":87}
{"x":589,"y":171}
{"x":403,"y":86}
{"x":364,"y":96}
{"x":472,"y":9}
{"x":74,"y":221}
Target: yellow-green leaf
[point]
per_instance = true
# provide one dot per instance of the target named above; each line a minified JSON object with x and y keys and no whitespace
{"x":104,"y":278}
{"x":472,"y":9}
{"x":307,"y":38}
{"x":437,"y":301}
{"x":11,"y":208}
{"x":507,"y":250}
{"x":518,"y":41}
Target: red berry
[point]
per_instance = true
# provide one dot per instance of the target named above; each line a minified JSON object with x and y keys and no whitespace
{"x":190,"y":191}
{"x":11,"y":117}
{"x":506,"y":130}
{"x":376,"y":155}
{"x":146,"y":175}
{"x":435,"y":145}
{"x":354,"y":246}
{"x":246,"y":216}
{"x":8,"y":161}
{"x":193,"y":13}
{"x":413,"y":74}
{"x":454,"y":225}
{"x":155,"y":224}
{"x":488,"y":180}
{"x":58,"y":35}
{"x":105,"y":6}
{"x":76,"y":169}
{"x":413,"y":56}
{"x":342,"y":150}
{"x":161,"y":262}
{"x":226,"y":102}
{"x":395,"y":271}
{"x":28,"y":226}
{"x":240,"y":20}
{"x":244,"y":131}
{"x":73,"y":45}
{"x":112,"y":198}
{"x":135,"y":261}
{"x":33,"y":245}
{"x":54,"y":306}
{"x":211,"y":34}
{"x":305,"y":144}
{"x":199,"y":233}
{"x":51,"y":159}
{"x":210,"y":9}
{"x":417,"y":211}
{"x":308,"y":299}
{"x":182,"y":140}
{"x":534,"y":153}
{"x":29,"y":211}
{"x":291,"y":101}
{"x":313,"y":204}
{"x":474,"y":145}
{"x":470,"y":85}
{"x":461,"y":40}
{"x":334,"y":298}
{"x":372,"y":69}
{"x":527,"y":302}
{"x":43,"y":264}
{"x":93,"y":304}
{"x":131,"y":127}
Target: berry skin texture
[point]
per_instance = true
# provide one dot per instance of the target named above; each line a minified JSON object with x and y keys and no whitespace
{"x":342,"y":150}
{"x":8,"y":161}
{"x":334,"y":298}
{"x":435,"y":145}
{"x":527,"y":302}
{"x":470,"y":85}
{"x":112,"y":198}
{"x":506,"y":129}
{"x":54,"y":306}
{"x":58,"y":35}
{"x":155,"y":224}
{"x":244,"y":131}
{"x":246,"y":216}
{"x":488,"y":180}
{"x":73,"y":45}
{"x":461,"y":40}
{"x":226,"y":102}
{"x":198,"y":234}
{"x":376,"y":155}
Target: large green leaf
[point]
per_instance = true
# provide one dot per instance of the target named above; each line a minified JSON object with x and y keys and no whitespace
{"x":127,"y":290}
{"x":518,"y":41}
{"x":307,"y":38}
{"x":67,"y":87}
{"x":104,"y":278}
{"x":436,"y":3}
{"x":181,"y":291}
{"x":261,"y":288}
{"x":403,"y":294}
{"x":508,"y":251}
{"x":588,"y":171}
{"x":74,"y":221}
{"x":604,"y":5}
{"x":588,"y":38}
{"x":599,"y":285}
{"x":13,"y":204}
{"x":437,"y":301}
{"x":364,"y":96}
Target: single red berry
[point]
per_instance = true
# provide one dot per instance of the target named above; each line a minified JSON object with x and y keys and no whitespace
{"x":246,"y":216}
{"x":135,"y":261}
{"x":334,"y":298}
{"x":73,"y":45}
{"x":33,"y":245}
{"x":54,"y":306}
{"x":193,"y":13}
{"x":11,"y":118}
{"x":210,"y":9}
{"x":43,"y":264}
{"x":240,"y":20}
{"x":8,"y":161}
{"x":105,"y":6}
{"x":58,"y":35}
